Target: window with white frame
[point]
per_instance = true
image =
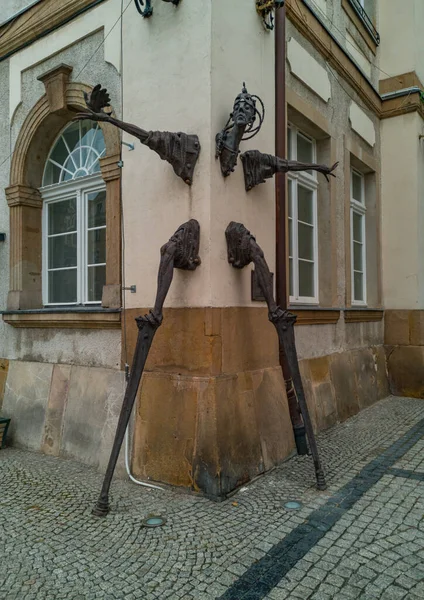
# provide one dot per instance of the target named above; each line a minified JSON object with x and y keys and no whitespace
{"x":74,"y":218}
{"x":302,"y":212}
{"x":357,"y":235}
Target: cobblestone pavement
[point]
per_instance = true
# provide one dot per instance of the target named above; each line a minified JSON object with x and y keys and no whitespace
{"x":361,"y":538}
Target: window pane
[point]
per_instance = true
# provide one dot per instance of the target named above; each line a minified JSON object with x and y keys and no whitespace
{"x":291,"y":276}
{"x":305,"y":200}
{"x":306,"y":242}
{"x":358,"y":287}
{"x":96,"y":246}
{"x":60,"y":152}
{"x":62,"y":216}
{"x":357,"y":257}
{"x":305,"y":152}
{"x":290,"y":143}
{"x":290,"y":237}
{"x":96,"y":209}
{"x":357,"y":187}
{"x":88,"y":129}
{"x":63,"y":251}
{"x":306,"y":279}
{"x":51,"y":174}
{"x":63,"y":286}
{"x":357,"y":227}
{"x":96,"y":281}
{"x":72,"y":135}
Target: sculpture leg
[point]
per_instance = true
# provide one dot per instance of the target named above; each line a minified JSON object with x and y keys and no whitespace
{"x":284,"y":324}
{"x":147,"y":329}
{"x":294,"y":410}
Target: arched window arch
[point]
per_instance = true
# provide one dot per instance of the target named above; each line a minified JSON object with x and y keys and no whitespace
{"x":74,"y":218}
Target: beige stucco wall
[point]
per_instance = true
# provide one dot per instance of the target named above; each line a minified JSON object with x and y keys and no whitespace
{"x":402,"y":42}
{"x":183,"y":70}
{"x":402,"y":212}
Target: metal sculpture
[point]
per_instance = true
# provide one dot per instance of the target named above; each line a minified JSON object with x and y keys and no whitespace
{"x":265,"y":9}
{"x":181,"y":150}
{"x":258,"y":167}
{"x":148,"y":11}
{"x":239,"y":127}
{"x":242,"y":250}
{"x":180,"y":252}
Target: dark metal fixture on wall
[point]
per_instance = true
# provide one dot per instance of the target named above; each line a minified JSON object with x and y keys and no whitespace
{"x":181,"y":150}
{"x":242,"y":250}
{"x":239,"y":127}
{"x":266,"y":8}
{"x":180,"y":252}
{"x":148,"y":11}
{"x":258,"y":167}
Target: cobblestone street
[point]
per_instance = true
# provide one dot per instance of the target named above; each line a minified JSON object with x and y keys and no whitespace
{"x":361,"y":538}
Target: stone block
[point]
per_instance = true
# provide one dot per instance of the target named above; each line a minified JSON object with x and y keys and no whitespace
{"x":364,"y":365}
{"x":25,"y":402}
{"x":405,"y":366}
{"x":416,"y":324}
{"x":4,"y":368}
{"x":326,"y":406}
{"x":91,"y":413}
{"x":166,"y":428}
{"x":396,"y":328}
{"x":345,"y":385}
{"x":58,"y":398}
{"x":305,"y":373}
{"x":272,"y":416}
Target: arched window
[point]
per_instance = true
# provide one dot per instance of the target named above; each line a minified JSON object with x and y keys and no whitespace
{"x":74,"y":218}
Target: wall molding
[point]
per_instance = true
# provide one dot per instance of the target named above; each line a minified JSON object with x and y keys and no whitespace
{"x":45,"y":319}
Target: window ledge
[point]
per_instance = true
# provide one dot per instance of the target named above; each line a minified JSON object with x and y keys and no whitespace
{"x":363,"y":315}
{"x":315,"y":316}
{"x":64,"y":318}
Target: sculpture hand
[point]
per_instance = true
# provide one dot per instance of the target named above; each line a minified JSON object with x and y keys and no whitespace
{"x":329,"y":171}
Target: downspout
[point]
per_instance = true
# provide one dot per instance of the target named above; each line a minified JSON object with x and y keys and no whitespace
{"x":281,"y":220}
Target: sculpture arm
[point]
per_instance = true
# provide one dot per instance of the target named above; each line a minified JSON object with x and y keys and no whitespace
{"x":283,"y":166}
{"x":137,"y":132}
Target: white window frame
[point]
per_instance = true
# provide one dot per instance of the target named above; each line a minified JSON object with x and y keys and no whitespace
{"x":79,"y":189}
{"x":309,"y":181}
{"x":358,"y":208}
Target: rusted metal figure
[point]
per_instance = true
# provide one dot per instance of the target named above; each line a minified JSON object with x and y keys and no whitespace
{"x":242,"y":250}
{"x":258,"y":167}
{"x":181,"y":252}
{"x":181,"y":150}
{"x":148,"y":11}
{"x":239,"y":127}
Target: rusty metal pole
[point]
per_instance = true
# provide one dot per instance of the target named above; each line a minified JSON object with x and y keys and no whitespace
{"x":281,"y":212}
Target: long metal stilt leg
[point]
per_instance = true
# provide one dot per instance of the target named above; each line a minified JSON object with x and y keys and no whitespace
{"x":284,"y":323}
{"x":146,"y":333}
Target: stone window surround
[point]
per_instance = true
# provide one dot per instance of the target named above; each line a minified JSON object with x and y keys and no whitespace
{"x":308,"y":315}
{"x":357,"y":157}
{"x":41,"y":127}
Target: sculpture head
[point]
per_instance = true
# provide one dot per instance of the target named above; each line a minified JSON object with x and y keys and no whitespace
{"x":244,"y":110}
{"x":238,"y":245}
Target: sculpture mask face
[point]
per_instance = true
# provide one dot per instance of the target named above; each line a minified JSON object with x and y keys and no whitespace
{"x":244,"y":112}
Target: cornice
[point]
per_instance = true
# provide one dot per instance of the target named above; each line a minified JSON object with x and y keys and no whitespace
{"x":38,"y":21}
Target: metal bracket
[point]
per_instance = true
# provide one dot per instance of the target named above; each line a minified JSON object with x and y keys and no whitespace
{"x":130,"y":146}
{"x":132,"y":289}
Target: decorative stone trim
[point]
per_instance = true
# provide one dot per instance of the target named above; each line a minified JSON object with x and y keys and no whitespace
{"x":308,"y":25}
{"x":363,"y":315}
{"x":46,"y":319}
{"x":50,"y":114}
{"x":37,"y":21}
{"x":22,"y":195}
{"x":356,"y":20}
{"x":316,"y":316}
{"x":55,"y":82}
